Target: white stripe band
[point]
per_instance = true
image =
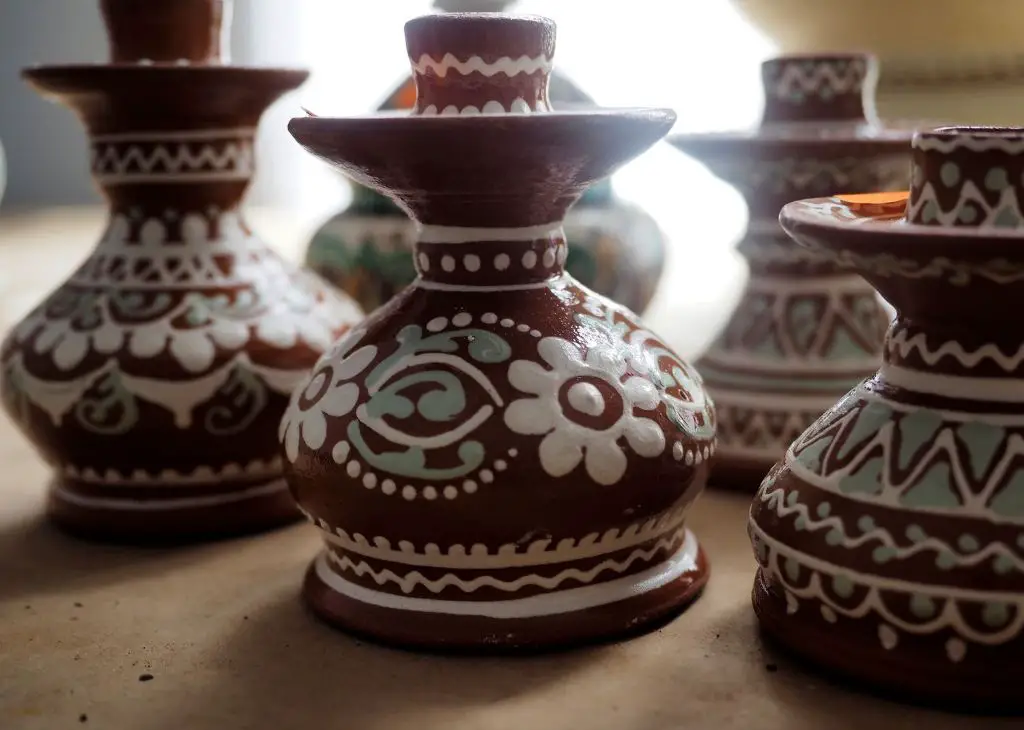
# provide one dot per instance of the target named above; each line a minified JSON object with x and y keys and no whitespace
{"x":1006,"y":390}
{"x":548,"y":604}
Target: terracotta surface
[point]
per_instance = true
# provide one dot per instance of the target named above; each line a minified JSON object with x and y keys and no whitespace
{"x":891,"y":536}
{"x":498,"y":458}
{"x":223,"y":632}
{"x":805,"y":331}
{"x":154,"y":377}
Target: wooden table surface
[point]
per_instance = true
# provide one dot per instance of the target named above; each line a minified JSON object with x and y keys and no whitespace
{"x":221,"y":630}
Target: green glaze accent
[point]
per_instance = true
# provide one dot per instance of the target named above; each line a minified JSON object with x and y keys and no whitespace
{"x":995,"y":614}
{"x":1007,"y":218}
{"x":865,"y":427}
{"x":437,"y":405}
{"x":883,"y":554}
{"x":247,"y":397}
{"x":996,"y":179}
{"x":929,"y":212}
{"x":1009,"y":501}
{"x":442,"y":399}
{"x":945,"y":560}
{"x":922,"y":606}
{"x":933,"y":490}
{"x":842,"y":586}
{"x":968,"y":543}
{"x":834,"y":536}
{"x":792,"y":498}
{"x":915,"y":430}
{"x":800,"y":523}
{"x":810,"y":457}
{"x":843,"y":347}
{"x":824,"y":509}
{"x":768,"y":348}
{"x":950,"y":174}
{"x":866,"y":524}
{"x":804,"y":318}
{"x":134,"y":304}
{"x":413,"y":461}
{"x":792,"y":569}
{"x":107,"y":408}
{"x":866,"y":480}
{"x":1003,"y":564}
{"x":967,"y":215}
{"x":916,"y":533}
{"x":982,"y":441}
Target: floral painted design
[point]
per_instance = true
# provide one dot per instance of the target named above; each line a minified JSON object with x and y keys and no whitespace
{"x":329,"y":392}
{"x":583,"y":408}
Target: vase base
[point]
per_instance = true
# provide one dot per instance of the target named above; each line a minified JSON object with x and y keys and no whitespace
{"x":166,"y":514}
{"x":549,"y":621}
{"x":738,"y":473}
{"x":913,"y":669}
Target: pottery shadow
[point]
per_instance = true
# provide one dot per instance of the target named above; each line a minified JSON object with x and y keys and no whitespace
{"x":285,"y":668}
{"x":37,"y":557}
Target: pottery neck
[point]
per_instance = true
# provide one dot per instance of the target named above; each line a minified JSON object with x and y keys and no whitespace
{"x":490,"y":259}
{"x":819,"y":88}
{"x":167,"y":31}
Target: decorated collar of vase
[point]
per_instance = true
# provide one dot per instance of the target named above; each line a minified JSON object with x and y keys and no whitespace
{"x":481,"y":167}
{"x":480,"y":63}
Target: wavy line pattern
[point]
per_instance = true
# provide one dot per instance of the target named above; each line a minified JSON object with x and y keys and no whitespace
{"x":510,"y":555}
{"x":770,"y":552}
{"x":115,"y":160}
{"x":903,"y":344}
{"x":776,"y":499}
{"x":410,"y":581}
{"x":508,"y":66}
{"x":820,"y":78}
{"x":946,"y":446}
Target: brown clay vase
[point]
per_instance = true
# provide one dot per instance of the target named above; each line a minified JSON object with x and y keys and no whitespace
{"x":498,"y":458}
{"x":891,"y":536}
{"x":153,"y":380}
{"x":804,"y":331}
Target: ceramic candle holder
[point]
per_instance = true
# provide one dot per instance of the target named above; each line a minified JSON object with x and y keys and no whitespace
{"x":153,"y":380}
{"x":890,"y":538}
{"x":499,"y":458}
{"x":805,"y":331}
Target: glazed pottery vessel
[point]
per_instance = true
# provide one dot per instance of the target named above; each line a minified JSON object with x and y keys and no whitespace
{"x":804,"y":331}
{"x":153,"y":379}
{"x":366,"y":250}
{"x":891,"y":536}
{"x":499,"y":457}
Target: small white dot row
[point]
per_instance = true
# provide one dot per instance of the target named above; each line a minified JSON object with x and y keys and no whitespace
{"x":693,"y":456}
{"x":472,"y":262}
{"x":354,"y":468}
{"x":463,"y":319}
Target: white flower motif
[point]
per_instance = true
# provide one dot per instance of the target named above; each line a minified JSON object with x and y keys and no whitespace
{"x":328,"y":392}
{"x":580,"y":431}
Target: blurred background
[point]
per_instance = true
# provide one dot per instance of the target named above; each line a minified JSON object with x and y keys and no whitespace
{"x":941,"y":59}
